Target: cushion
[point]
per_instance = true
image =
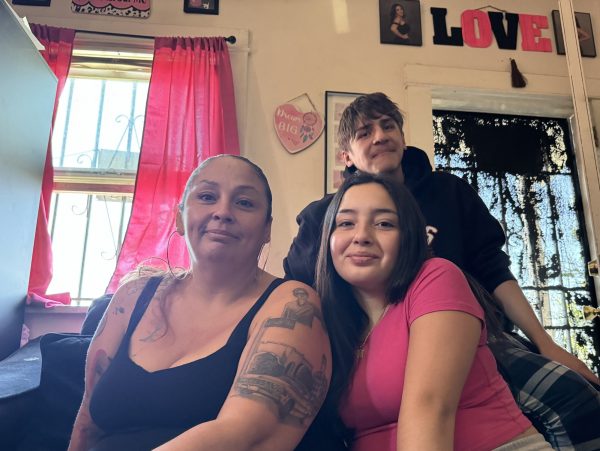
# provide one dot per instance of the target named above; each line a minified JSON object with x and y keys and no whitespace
{"x":560,"y":403}
{"x":20,"y":372}
{"x":60,"y":392}
{"x":19,"y":379}
{"x":94,"y":314}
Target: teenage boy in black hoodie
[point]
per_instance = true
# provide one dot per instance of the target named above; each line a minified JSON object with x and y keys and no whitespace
{"x":459,"y":224}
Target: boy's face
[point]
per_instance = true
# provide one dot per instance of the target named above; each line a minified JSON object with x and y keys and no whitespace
{"x":376,"y":147}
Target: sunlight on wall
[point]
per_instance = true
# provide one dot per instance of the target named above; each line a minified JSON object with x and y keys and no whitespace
{"x":340,"y":16}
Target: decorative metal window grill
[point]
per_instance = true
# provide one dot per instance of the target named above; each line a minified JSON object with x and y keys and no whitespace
{"x":99,"y":124}
{"x":523,"y":169}
{"x":96,"y":144}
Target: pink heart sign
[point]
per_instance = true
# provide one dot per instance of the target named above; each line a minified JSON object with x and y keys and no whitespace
{"x":297,"y":130}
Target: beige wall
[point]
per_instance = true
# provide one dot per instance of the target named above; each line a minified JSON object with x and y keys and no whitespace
{"x":298,"y":46}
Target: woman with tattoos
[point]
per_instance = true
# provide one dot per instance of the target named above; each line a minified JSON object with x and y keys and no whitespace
{"x":412,"y":370}
{"x":226,"y":357}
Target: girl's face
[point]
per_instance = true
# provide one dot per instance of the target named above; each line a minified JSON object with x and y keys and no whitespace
{"x":399,"y":10}
{"x":365,"y":243}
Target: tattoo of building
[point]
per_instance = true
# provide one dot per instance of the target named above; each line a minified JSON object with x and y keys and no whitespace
{"x":280,"y":373}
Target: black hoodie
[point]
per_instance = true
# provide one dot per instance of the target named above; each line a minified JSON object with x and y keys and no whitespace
{"x":467,"y":234}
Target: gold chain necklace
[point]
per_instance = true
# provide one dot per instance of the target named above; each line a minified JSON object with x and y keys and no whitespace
{"x":361,"y":351}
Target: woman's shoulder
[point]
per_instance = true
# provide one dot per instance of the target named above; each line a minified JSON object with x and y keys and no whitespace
{"x":438,"y":266}
{"x":441,"y":285}
{"x":293,"y":299}
{"x":436,"y":274}
{"x":294,"y":290}
{"x":130,"y":290}
{"x":278,"y":287}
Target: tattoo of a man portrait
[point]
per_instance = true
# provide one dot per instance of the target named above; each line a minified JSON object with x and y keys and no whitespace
{"x":279,"y":373}
{"x":300,"y":310}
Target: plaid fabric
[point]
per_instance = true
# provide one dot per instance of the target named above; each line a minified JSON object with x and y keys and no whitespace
{"x":559,"y":402}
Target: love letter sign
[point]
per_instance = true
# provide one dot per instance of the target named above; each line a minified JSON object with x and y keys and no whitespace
{"x":479,"y":29}
{"x":297,"y":130}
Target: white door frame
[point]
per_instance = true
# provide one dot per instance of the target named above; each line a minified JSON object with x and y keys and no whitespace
{"x":429,"y":88}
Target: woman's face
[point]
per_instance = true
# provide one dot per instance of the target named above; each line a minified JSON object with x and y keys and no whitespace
{"x":399,"y":10}
{"x":365,"y":243}
{"x":224,"y":213}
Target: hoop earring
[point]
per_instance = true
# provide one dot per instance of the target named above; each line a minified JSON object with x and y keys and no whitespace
{"x":182,"y":273}
{"x":260,"y":255}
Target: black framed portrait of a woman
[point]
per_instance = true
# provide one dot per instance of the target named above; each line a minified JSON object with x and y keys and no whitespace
{"x":400,"y":22}
{"x":201,"y":6}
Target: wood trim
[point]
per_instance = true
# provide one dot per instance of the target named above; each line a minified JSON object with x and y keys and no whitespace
{"x":93,"y":182}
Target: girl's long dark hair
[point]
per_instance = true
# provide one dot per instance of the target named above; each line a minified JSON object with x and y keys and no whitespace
{"x":345,"y":318}
{"x":493,"y":311}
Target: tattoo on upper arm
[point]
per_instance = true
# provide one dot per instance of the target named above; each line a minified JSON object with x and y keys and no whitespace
{"x":136,"y":285}
{"x":279,"y":373}
{"x":117,"y":310}
{"x":132,"y":288}
{"x":301,"y":310}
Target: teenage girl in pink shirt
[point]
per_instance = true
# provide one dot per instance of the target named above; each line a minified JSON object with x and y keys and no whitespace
{"x":412,"y":369}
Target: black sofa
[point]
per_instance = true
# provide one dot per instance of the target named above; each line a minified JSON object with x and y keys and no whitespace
{"x":41,"y":387}
{"x":37,"y":413}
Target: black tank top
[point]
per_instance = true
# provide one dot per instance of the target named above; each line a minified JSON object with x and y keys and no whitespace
{"x":128,"y":397}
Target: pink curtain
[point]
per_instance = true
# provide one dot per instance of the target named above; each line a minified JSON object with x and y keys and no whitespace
{"x":190,"y":116}
{"x":58,"y":43}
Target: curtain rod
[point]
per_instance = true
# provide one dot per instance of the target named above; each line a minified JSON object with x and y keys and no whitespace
{"x":230,"y":39}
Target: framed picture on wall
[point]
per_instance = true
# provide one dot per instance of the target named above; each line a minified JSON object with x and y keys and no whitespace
{"x":585,"y":33}
{"x":201,"y":6}
{"x":31,"y":2}
{"x":123,"y":8}
{"x":335,"y":103}
{"x":400,"y":22}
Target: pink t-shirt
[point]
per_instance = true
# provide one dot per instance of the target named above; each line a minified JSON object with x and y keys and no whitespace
{"x":487,"y":414}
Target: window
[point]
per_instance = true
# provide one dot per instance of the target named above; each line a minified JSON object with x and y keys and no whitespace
{"x":95,"y":145}
{"x":523,"y":169}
